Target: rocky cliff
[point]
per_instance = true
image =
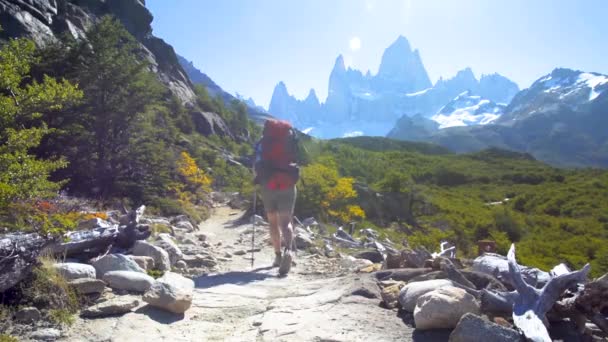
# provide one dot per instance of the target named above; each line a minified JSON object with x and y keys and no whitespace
{"x":46,"y":20}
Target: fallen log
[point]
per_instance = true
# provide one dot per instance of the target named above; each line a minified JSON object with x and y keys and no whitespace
{"x":91,"y":243}
{"x":402,"y":274}
{"x":18,"y":254}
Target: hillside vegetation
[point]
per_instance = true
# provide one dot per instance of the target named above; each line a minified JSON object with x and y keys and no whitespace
{"x":89,"y":117}
{"x":554,"y":215}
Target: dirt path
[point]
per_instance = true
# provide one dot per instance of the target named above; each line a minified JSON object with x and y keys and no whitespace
{"x":241,"y":304}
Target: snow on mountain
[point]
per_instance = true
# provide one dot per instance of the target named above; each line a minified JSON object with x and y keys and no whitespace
{"x":467,"y":109}
{"x":566,"y":86}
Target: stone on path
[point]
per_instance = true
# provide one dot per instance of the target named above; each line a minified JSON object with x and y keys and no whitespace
{"x":162,"y":262}
{"x":115,"y":262}
{"x":128,"y":281}
{"x":166,"y":242}
{"x":171,"y":292}
{"x":474,"y":328}
{"x":443,"y":308}
{"x":409,"y":293}
{"x":115,"y":306}
{"x":87,"y":286}
{"x":390,"y":295}
{"x":145,"y":262}
{"x":27,"y":315}
{"x":73,"y":270}
{"x":48,"y":334}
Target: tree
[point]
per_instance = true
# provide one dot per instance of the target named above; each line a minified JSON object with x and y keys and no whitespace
{"x":121,"y":96}
{"x":24,"y":177}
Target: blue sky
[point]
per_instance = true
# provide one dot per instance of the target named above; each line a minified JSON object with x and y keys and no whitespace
{"x":247,"y":46}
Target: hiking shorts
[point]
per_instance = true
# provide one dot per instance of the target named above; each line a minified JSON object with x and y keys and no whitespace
{"x":282,"y":201}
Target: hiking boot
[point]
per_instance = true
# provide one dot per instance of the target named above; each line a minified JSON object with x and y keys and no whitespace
{"x":277,"y":259}
{"x":285,"y":263}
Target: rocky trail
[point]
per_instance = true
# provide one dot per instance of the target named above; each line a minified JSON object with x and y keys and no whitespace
{"x":317,"y":301}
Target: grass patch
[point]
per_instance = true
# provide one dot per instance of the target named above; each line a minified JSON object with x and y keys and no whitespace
{"x":8,"y":338}
{"x":155,"y":273}
{"x":49,"y":289}
{"x":62,"y":317}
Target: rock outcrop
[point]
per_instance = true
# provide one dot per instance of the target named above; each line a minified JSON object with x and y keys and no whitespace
{"x":49,"y":19}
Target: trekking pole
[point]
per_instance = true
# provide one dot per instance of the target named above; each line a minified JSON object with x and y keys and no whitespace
{"x":255,"y":200}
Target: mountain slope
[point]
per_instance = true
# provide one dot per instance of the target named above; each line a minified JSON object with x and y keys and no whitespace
{"x":198,"y":77}
{"x":561,"y":119}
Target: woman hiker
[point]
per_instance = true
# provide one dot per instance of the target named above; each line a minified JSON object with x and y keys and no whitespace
{"x":277,"y":172}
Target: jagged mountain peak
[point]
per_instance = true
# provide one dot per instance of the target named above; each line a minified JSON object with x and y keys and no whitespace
{"x":339,"y":65}
{"x":312,"y":96}
{"x":401,"y":43}
{"x":401,"y":69}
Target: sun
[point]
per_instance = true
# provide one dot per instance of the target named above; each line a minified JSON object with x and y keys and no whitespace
{"x":355,"y":43}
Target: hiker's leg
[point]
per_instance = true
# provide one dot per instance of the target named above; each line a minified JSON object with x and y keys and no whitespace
{"x":275,"y":233}
{"x":285,"y":214}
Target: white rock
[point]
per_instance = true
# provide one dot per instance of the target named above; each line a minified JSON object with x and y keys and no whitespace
{"x":72,"y":270}
{"x":48,"y":334}
{"x":171,"y":292}
{"x":115,"y":306}
{"x":145,"y":262}
{"x":443,"y":308}
{"x":88,"y":285}
{"x":128,"y":280}
{"x":115,"y":262}
{"x":355,"y":264}
{"x":409,"y":293}
{"x":161,"y":258}
{"x":166,"y":242}
{"x":186,"y":225}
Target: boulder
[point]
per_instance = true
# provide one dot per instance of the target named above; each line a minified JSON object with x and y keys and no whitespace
{"x":497,"y":266}
{"x":196,"y":261}
{"x":474,"y":328}
{"x":171,"y":292}
{"x":181,"y":265}
{"x":27,"y":315}
{"x":116,"y":306}
{"x":115,"y":262}
{"x":185,"y":225}
{"x":390,"y":295}
{"x":303,"y":239}
{"x":411,"y":292}
{"x":443,"y":308}
{"x":166,"y":242}
{"x":145,"y":262}
{"x":73,"y":270}
{"x":162,"y":262}
{"x":88,"y":286}
{"x":128,"y":281}
{"x":371,"y":255}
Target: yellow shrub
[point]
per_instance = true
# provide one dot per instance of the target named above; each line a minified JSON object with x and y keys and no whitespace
{"x":192,"y":174}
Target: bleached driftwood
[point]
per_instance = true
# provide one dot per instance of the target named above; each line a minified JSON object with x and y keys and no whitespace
{"x":445,"y":252}
{"x":531,"y":305}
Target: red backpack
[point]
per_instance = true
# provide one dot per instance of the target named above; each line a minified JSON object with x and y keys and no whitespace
{"x":276,"y":155}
